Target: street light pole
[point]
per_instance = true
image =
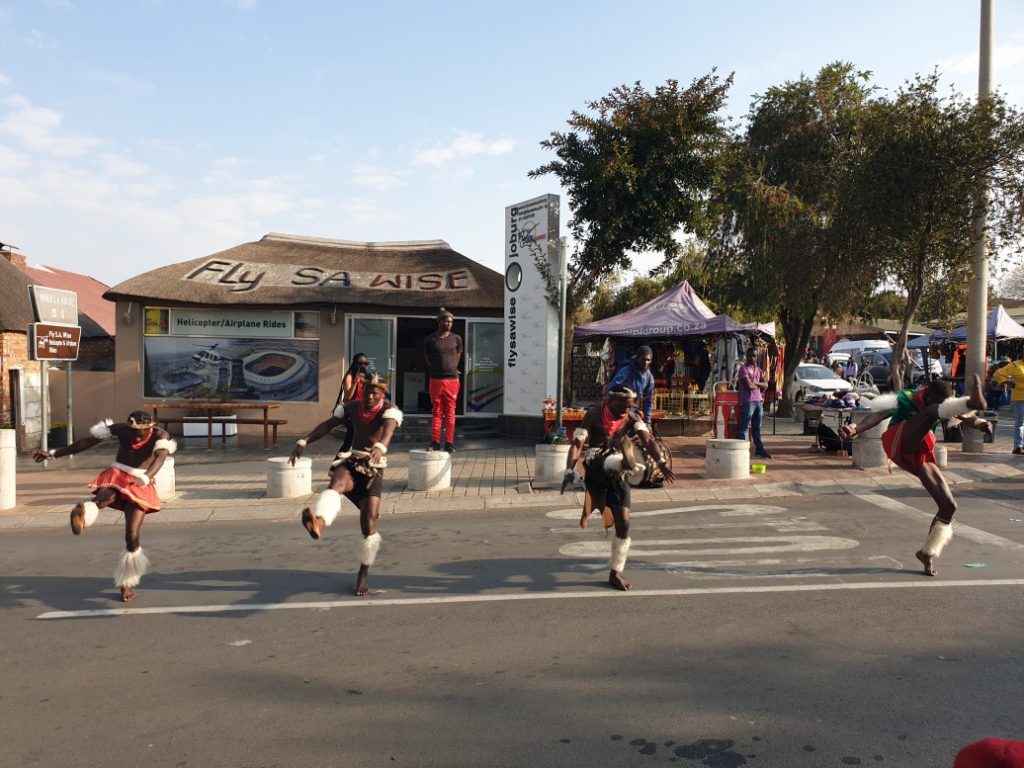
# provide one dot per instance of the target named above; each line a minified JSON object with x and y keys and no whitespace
{"x":563,"y":248}
{"x":977,"y":304}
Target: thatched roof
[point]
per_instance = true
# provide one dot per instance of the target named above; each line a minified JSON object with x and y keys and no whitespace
{"x":294,"y":270}
{"x":15,"y":309}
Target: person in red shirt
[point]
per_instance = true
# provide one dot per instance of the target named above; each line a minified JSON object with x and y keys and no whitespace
{"x":127,"y":485}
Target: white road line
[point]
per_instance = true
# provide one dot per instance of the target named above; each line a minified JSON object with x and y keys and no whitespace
{"x":697,"y":547}
{"x":727,"y":510}
{"x":527,"y":596}
{"x":794,"y":525}
{"x":959,"y":529}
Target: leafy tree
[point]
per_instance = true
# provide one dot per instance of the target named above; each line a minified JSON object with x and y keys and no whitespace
{"x":1013,"y":284}
{"x":886,"y":304}
{"x":928,"y":161}
{"x":638,"y":168}
{"x":777,"y":245}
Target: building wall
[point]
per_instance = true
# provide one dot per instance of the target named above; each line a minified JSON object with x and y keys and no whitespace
{"x":92,"y":398}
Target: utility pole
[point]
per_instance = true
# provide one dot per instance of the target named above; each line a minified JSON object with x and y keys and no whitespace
{"x":563,"y":249}
{"x":977,"y":304}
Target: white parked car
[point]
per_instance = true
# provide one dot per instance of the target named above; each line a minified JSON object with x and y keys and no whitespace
{"x":811,"y":379}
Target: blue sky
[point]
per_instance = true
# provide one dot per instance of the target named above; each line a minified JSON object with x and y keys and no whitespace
{"x":139,"y":134}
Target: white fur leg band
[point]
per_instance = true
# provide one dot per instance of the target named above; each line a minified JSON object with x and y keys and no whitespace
{"x":953,"y":406}
{"x":327,"y":506}
{"x":939,"y":536}
{"x":368,"y":549}
{"x":131,"y":568}
{"x":92,"y":511}
{"x":620,"y":550}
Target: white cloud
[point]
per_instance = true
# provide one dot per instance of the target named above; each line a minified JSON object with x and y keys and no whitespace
{"x":1004,"y":56}
{"x":376,"y":178}
{"x":37,"y":129}
{"x":363,"y":211}
{"x":4,"y":80}
{"x":11,"y":160}
{"x":118,"y":165}
{"x":120,"y":81}
{"x":15,"y":193}
{"x":40,"y":40}
{"x":242,"y":5}
{"x":465,"y":144}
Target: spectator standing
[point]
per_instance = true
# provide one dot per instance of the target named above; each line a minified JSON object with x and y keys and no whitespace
{"x":751,"y":388}
{"x":442,"y":351}
{"x":637,"y":376}
{"x":851,"y":369}
{"x":1012,"y":374}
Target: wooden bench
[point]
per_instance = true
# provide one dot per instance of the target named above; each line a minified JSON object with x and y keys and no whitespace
{"x":211,"y":420}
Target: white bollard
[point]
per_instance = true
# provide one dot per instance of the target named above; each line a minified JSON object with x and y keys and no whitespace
{"x":868,"y":452}
{"x":8,"y":455}
{"x":941,"y":455}
{"x":549,"y":464}
{"x":429,"y":470}
{"x":285,"y":481}
{"x":164,"y":480}
{"x":727,"y":459}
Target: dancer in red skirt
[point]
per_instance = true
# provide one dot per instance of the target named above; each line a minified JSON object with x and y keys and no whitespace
{"x":127,"y":485}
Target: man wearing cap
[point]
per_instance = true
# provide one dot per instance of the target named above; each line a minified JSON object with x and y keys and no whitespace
{"x":603,"y":439}
{"x":637,"y":376}
{"x":442,"y":351}
{"x":357,"y":474}
{"x":127,"y":485}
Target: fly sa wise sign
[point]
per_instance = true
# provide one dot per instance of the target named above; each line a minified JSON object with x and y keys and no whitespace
{"x":51,"y":341}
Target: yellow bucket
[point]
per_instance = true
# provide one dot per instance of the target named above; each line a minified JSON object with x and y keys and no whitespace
{"x":758,"y":469}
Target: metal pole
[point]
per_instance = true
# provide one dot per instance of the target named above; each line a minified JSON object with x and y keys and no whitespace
{"x":977,"y":305}
{"x":71,"y":421}
{"x":44,"y":416}
{"x":563,"y":247}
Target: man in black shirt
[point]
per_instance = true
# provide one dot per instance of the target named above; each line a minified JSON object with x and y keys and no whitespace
{"x":442,"y":351}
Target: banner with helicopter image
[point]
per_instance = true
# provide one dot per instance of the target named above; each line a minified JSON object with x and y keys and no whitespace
{"x":210,"y":355}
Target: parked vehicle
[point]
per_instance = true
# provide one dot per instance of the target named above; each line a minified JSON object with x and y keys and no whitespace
{"x":811,"y":379}
{"x":842,"y":350}
{"x":875,"y":367}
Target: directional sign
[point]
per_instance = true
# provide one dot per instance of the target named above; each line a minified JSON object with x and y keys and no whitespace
{"x":50,"y":341}
{"x":52,"y":305}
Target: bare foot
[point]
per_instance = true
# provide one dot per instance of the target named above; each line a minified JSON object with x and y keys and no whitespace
{"x":362,"y":584}
{"x":976,"y":396}
{"x":78,"y":519}
{"x":584,"y":519}
{"x":618,"y":582}
{"x":926,"y":561}
{"x":315,"y":525}
{"x":127,"y":594}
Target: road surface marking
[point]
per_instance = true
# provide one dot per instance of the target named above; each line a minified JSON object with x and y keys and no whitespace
{"x":697,"y":547}
{"x":959,"y":529}
{"x":727,"y":510}
{"x":792,"y":525}
{"x":355,"y":602}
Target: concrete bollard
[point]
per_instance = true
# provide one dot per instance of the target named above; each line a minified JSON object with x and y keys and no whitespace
{"x":867,"y":446}
{"x":549,"y":464}
{"x":8,"y":474}
{"x":285,"y":481}
{"x":429,"y":470}
{"x":727,"y":459}
{"x":941,"y":455}
{"x":164,"y":480}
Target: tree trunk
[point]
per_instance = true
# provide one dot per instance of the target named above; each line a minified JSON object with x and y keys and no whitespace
{"x":797,"y":332}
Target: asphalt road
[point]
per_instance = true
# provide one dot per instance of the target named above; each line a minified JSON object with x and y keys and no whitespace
{"x":799,"y":633}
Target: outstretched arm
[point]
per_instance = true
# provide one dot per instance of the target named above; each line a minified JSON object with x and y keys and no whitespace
{"x":78,"y":446}
{"x":319,"y":431}
{"x":978,"y":423}
{"x":651,"y":445}
{"x":852,"y":430}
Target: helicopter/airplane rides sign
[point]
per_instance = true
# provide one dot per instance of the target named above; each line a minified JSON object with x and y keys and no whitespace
{"x":221,"y":323}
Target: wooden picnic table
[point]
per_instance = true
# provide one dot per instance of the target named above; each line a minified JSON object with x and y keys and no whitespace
{"x":212,"y":419}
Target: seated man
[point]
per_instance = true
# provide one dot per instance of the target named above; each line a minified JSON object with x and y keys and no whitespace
{"x":603,"y":439}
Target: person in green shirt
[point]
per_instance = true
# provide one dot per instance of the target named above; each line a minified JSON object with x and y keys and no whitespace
{"x":909,"y":443}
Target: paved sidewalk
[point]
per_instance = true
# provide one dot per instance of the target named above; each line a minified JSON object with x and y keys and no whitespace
{"x":230,"y":482}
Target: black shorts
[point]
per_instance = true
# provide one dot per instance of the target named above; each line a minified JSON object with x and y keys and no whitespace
{"x":364,"y":485}
{"x":616,"y":490}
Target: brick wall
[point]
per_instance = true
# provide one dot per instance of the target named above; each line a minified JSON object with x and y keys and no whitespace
{"x":13,"y":352}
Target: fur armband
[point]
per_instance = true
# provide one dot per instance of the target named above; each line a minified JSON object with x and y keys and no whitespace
{"x":380,"y":447}
{"x":339,"y":411}
{"x":142,"y":479}
{"x":581,"y":435}
{"x":301,"y":442}
{"x":165,"y":445}
{"x":641,"y":426}
{"x":394,"y":414}
{"x":101,"y":430}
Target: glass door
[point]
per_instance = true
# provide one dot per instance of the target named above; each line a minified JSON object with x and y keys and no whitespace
{"x":485,"y":374}
{"x":374,"y":337}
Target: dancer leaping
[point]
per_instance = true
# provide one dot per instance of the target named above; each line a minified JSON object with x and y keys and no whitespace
{"x":127,"y":485}
{"x":356,"y":474}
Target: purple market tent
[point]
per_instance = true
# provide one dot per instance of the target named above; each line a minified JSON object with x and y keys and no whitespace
{"x":677,"y":312}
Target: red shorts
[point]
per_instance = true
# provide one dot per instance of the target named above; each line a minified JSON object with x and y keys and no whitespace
{"x":914,"y":460}
{"x":142,"y":496}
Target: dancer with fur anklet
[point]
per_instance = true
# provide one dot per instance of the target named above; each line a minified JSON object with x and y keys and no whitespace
{"x":127,"y":485}
{"x":909,"y":443}
{"x":604,"y":440}
{"x":356,"y":474}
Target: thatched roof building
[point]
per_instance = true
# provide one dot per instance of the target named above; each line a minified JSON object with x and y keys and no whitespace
{"x":292,"y":270}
